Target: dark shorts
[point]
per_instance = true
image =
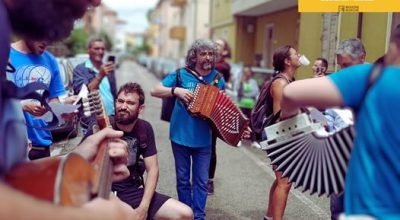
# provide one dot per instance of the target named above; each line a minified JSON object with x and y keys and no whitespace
{"x":133,"y":197}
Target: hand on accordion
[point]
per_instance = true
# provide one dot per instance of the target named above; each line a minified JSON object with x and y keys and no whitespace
{"x":247,"y":133}
{"x":184,"y":94}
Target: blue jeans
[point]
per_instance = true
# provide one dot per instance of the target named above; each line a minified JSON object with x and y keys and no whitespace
{"x":336,"y":205}
{"x":194,"y":195}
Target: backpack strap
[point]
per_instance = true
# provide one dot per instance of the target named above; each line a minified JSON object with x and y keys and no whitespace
{"x":374,"y":75}
{"x":278,"y":114}
{"x":216,"y":79}
{"x":178,"y":77}
{"x":195,"y":74}
{"x":282,"y":76}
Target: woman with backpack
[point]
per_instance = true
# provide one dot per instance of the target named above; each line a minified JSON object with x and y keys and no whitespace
{"x":286,"y":60}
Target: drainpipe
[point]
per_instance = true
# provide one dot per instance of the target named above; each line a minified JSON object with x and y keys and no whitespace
{"x":359,"y":27}
{"x":195,"y":2}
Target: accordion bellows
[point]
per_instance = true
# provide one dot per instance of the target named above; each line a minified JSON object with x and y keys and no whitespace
{"x":308,"y":156}
{"x":226,"y":118}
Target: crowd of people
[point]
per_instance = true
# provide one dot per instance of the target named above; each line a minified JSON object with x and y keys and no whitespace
{"x":31,"y":73}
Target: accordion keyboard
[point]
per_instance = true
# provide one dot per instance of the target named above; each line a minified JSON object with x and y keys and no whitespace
{"x":227,"y":119}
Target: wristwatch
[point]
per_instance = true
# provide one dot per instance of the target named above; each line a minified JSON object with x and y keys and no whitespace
{"x":173,"y":91}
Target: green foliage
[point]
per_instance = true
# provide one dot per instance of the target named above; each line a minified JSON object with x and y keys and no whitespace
{"x":135,"y":50}
{"x":107,"y":39}
{"x":76,"y":42}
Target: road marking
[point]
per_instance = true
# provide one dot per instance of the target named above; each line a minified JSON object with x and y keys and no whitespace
{"x":299,"y":195}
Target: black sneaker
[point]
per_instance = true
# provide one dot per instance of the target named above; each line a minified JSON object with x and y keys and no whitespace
{"x":210,"y":187}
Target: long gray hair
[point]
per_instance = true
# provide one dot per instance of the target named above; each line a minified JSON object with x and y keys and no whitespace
{"x":197,"y":46}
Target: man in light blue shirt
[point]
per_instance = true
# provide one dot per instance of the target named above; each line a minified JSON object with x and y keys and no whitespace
{"x":96,"y":76}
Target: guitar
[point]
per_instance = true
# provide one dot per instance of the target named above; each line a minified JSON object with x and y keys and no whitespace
{"x":68,"y":180}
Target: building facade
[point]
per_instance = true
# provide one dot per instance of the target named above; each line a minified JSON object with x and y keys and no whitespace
{"x":255,"y":28}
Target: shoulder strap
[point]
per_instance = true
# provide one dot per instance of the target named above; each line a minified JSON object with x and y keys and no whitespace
{"x":178,"y":78}
{"x":216,"y":79}
{"x":374,"y":75}
{"x":275,"y":116}
{"x":279,"y":76}
{"x":196,"y":75}
{"x":282,"y":77}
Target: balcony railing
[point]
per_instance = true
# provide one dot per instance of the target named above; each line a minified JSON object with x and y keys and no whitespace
{"x":178,"y":33}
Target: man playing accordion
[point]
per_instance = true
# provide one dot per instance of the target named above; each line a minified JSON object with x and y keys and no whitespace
{"x":190,"y":135}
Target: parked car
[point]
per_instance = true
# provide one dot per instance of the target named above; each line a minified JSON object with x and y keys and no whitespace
{"x":69,"y":129}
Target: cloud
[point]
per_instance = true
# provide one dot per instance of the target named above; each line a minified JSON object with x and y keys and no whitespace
{"x":133,"y":12}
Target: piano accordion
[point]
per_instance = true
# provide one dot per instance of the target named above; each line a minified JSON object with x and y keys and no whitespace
{"x":309,"y":156}
{"x":225,"y":117}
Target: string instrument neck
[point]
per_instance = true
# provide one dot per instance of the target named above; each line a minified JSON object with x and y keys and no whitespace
{"x":102,"y":163}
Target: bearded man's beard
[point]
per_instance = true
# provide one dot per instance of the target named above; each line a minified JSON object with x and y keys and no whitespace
{"x":207,"y":66}
{"x":125,"y":118}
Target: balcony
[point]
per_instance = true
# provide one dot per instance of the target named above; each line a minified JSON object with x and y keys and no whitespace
{"x":260,"y":7}
{"x":178,"y":33}
{"x":178,"y":3}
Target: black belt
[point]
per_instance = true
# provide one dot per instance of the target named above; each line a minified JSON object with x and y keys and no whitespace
{"x":35,"y":147}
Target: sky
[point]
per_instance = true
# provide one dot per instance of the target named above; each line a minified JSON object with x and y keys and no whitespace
{"x":133,"y":12}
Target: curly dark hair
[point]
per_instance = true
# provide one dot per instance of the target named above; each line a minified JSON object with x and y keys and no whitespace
{"x":200,"y":45}
{"x":132,"y":87}
{"x":50,"y":20}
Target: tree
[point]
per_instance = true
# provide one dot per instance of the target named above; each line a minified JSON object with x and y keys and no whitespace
{"x":107,"y":40}
{"x":76,"y":42}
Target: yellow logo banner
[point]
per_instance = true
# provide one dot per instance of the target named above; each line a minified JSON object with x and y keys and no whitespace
{"x":349,"y":5}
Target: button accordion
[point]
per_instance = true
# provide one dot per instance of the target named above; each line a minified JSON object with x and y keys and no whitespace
{"x":309,"y":156}
{"x":225,"y":117}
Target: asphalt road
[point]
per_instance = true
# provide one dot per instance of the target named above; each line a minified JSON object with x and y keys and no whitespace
{"x":243,"y":175}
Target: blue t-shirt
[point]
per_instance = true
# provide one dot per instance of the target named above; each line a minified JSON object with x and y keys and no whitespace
{"x":373,"y":176}
{"x":186,"y":129}
{"x":36,"y":68}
